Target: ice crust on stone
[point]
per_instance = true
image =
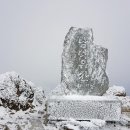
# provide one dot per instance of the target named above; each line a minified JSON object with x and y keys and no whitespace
{"x":116,"y":91}
{"x":83,"y":108}
{"x":15,"y":92}
{"x":83,"y":64}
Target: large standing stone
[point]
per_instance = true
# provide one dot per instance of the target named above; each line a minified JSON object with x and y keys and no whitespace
{"x":84,"y":64}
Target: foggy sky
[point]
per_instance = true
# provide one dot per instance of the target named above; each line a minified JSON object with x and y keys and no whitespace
{"x":32,"y":33}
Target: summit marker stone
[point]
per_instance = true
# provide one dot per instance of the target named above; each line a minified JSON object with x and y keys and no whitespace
{"x":83,"y":64}
{"x":83,"y":82}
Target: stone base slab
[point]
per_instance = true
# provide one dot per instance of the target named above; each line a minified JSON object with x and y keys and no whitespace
{"x":83,"y":108}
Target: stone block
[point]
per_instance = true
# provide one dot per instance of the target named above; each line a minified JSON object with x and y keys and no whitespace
{"x":83,"y":108}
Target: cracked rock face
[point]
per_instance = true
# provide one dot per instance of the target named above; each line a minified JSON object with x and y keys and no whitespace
{"x":83,"y":64}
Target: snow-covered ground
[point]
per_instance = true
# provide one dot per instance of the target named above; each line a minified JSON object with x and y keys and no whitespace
{"x":34,"y":117}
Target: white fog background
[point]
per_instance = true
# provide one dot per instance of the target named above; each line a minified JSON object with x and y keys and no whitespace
{"x":32,"y":33}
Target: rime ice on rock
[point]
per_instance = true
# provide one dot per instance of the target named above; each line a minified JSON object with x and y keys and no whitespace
{"x":84,"y":64}
{"x":83,"y":74}
{"x":15,"y":92}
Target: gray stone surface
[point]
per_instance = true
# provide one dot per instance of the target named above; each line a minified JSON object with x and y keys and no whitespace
{"x":83,"y":108}
{"x":83,"y":64}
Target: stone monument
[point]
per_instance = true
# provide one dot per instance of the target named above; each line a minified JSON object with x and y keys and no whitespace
{"x":84,"y":63}
{"x":83,"y":81}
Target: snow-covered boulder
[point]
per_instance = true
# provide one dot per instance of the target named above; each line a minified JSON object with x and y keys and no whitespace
{"x":115,"y":91}
{"x":15,"y":92}
{"x":19,"y":95}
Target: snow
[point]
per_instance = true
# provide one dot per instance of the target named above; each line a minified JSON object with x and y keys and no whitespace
{"x":33,"y":118}
{"x":98,"y":122}
{"x":125,"y":120}
{"x":125,"y":101}
{"x":15,"y":92}
{"x":25,"y":120}
{"x":76,"y":125}
{"x":16,"y":89}
{"x":116,"y":91}
{"x":86,"y":97}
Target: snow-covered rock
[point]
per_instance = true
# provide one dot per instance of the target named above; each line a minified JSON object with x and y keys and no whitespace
{"x":39,"y":96}
{"x":84,"y":64}
{"x":98,"y":122}
{"x":125,"y":119}
{"x":15,"y":92}
{"x":72,"y":124}
{"x":24,"y":104}
{"x":115,"y":91}
{"x":125,"y":103}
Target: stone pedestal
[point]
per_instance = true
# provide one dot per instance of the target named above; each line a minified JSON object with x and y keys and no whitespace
{"x":83,"y":108}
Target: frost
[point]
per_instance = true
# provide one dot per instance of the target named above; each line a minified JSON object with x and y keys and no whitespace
{"x":83,"y":64}
{"x":15,"y":92}
{"x":125,"y":101}
{"x":83,"y":107}
{"x":116,"y":91}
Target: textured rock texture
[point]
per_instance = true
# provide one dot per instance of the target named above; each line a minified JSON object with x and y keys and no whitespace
{"x":83,"y":108}
{"x":83,"y":64}
{"x":15,"y":92}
